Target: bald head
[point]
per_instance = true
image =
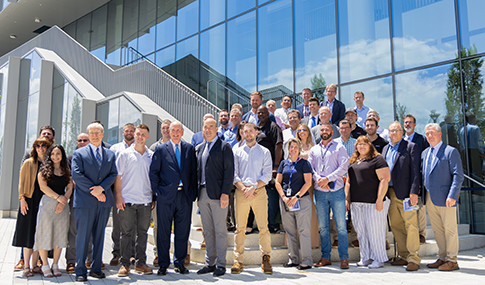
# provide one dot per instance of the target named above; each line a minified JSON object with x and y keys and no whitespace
{"x":210,"y":129}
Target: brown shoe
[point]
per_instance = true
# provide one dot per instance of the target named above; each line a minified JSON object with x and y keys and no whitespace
{"x":355,"y":243}
{"x":344,"y":264}
{"x":388,"y":246}
{"x":124,"y":271}
{"x":322,"y":262}
{"x":143,"y":269}
{"x":435,"y":264}
{"x":237,"y":267}
{"x":202,"y":245}
{"x":449,"y":266}
{"x":155,"y":261}
{"x":399,"y":262}
{"x":412,"y":266}
{"x":70,"y":268}
{"x":19,"y":266}
{"x":266,"y":265}
{"x":187,"y":260}
{"x":335,"y":243}
{"x":422,"y":239}
{"x":115,"y":261}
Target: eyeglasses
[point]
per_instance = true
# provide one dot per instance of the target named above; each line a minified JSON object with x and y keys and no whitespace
{"x":302,"y":130}
{"x":40,"y":146}
{"x":82,"y":140}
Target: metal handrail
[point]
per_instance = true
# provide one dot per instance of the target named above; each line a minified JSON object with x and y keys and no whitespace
{"x":245,"y":99}
{"x":138,"y":56}
{"x":474,"y":181}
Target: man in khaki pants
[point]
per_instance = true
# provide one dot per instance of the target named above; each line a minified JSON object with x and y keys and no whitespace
{"x":252,"y":171}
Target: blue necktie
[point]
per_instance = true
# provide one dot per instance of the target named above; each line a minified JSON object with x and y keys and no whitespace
{"x":428,"y":168}
{"x":313,"y":122}
{"x":177,"y":154}
{"x":98,"y":158}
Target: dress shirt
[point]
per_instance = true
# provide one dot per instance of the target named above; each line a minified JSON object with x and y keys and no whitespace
{"x":282,"y":113}
{"x":391,"y":157}
{"x":431,"y":155}
{"x":306,"y":111}
{"x":134,"y":169}
{"x":230,"y":136}
{"x":252,"y":164}
{"x":221,"y":131}
{"x":253,"y":117}
{"x":180,"y":149}
{"x":93,"y":148}
{"x":349,"y":145}
{"x":330,"y":105}
{"x":287,"y":135}
{"x":310,"y":121}
{"x":119,"y":147}
{"x":362,"y":115}
{"x":203,"y":164}
{"x":410,"y":137}
{"x":331,"y":162}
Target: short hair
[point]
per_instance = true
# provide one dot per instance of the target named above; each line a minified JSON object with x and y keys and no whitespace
{"x":359,"y":92}
{"x":236,"y":111}
{"x":143,"y":127}
{"x":372,"y":120}
{"x":344,"y":121}
{"x":410,"y":116}
{"x":313,"y":99}
{"x":295,"y":111}
{"x":251,"y":125}
{"x":237,"y":106}
{"x":325,"y":107}
{"x":306,"y":88}
{"x":433,"y":126}
{"x":373,"y":112}
{"x":47,"y":127}
{"x":176,"y":123}
{"x":95,"y":126}
{"x":326,"y":124}
{"x":166,"y":121}
{"x":207,"y":115}
{"x":270,"y":101}
{"x":128,"y":125}
{"x":332,"y":86}
{"x":256,"y":93}
{"x":98,"y":121}
{"x":40,"y":140}
{"x":298,"y":143}
{"x":222,"y":111}
{"x":287,"y":96}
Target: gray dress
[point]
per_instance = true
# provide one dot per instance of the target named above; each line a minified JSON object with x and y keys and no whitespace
{"x":51,"y":230}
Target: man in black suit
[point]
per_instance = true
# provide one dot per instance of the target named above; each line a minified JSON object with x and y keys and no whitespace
{"x":173,"y":177}
{"x":215,"y":172}
{"x":336,"y":107}
{"x":403,"y":158}
{"x":422,"y":144}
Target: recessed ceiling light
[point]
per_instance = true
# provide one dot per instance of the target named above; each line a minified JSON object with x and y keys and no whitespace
{"x":13,"y":36}
{"x":37,"y":20}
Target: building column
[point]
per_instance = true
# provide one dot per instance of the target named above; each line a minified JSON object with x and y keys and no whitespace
{"x":45,"y":94}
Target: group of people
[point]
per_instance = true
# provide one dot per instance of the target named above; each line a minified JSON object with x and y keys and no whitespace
{"x":320,"y":163}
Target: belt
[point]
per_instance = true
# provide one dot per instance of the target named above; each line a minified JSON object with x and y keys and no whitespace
{"x":132,"y":204}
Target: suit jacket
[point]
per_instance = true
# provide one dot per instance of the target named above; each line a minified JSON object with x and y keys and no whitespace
{"x":300,"y":109}
{"x":405,"y":173}
{"x":165,"y":173}
{"x":86,"y":174}
{"x":219,"y":169}
{"x":421,"y":141}
{"x":446,"y":175}
{"x":338,"y":112}
{"x":306,"y":121}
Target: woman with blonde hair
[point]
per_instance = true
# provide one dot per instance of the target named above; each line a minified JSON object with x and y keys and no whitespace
{"x":304,"y":134}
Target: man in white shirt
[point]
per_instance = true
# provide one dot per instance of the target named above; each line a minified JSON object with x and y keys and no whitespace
{"x":294,"y":120}
{"x":283,"y":112}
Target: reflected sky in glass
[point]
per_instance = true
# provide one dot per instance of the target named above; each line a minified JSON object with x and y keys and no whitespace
{"x":235,"y":7}
{"x":472,"y":25}
{"x":211,"y":12}
{"x":187,"y":18}
{"x":212,"y":48}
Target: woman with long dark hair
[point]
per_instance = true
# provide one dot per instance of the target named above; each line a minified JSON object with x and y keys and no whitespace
{"x":30,"y":196}
{"x":53,"y":219}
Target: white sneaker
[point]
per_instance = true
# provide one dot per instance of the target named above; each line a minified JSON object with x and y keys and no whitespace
{"x":376,"y":264}
{"x":364,"y":262}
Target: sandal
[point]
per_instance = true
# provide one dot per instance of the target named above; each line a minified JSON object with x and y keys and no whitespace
{"x":27,"y":272}
{"x":37,"y":270}
{"x":47,"y":271}
{"x":55,"y":270}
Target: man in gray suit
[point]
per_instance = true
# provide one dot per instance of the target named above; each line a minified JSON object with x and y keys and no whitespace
{"x":324,"y":114}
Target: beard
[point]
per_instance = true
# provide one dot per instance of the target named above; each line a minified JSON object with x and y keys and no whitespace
{"x":325,"y":137}
{"x":408,"y":129}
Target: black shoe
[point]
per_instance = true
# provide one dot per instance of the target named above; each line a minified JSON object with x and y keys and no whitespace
{"x":162,"y":270}
{"x":273,"y":230}
{"x":304,"y":267}
{"x":206,"y":269}
{"x":99,"y":275}
{"x":290,"y":264}
{"x":219,"y":271}
{"x":181,"y":270}
{"x":81,"y":278}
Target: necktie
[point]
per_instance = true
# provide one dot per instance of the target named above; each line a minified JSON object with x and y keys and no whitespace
{"x":428,"y":167}
{"x":98,"y":157}
{"x":314,"y":123}
{"x":205,"y":155}
{"x":177,"y":154}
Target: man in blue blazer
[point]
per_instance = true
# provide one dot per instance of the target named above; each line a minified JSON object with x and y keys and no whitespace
{"x":93,"y":171}
{"x":215,"y":174}
{"x":304,"y":107}
{"x":173,"y":177}
{"x":404,"y":160}
{"x":336,"y":107}
{"x":442,"y":179}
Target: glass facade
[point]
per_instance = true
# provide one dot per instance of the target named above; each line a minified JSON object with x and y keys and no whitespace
{"x":419,"y":57}
{"x":29,"y":94}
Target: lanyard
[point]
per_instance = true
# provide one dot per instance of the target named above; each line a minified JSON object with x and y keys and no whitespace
{"x":324,"y":154}
{"x":290,"y":171}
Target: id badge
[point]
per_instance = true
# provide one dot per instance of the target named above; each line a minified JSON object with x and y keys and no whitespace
{"x":288,"y":191}
{"x":323,"y":168}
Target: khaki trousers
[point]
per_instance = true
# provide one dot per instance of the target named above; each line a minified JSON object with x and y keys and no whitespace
{"x":422,"y":223}
{"x":404,"y":227}
{"x":259,"y":204}
{"x":445,"y":228}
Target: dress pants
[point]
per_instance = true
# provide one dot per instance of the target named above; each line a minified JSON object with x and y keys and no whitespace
{"x":155,"y":229}
{"x":180,"y":212}
{"x":273,"y":206}
{"x":445,"y":228}
{"x":259,"y":204}
{"x":214,"y":229}
{"x":422,"y":222}
{"x":71,"y":239}
{"x":404,"y":226}
{"x":90,"y":222}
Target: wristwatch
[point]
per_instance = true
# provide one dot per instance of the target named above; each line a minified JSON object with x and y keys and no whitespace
{"x":297,"y":196}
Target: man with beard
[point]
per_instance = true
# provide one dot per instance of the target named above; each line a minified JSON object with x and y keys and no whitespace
{"x":224,"y":123}
{"x":371,"y":126}
{"x":252,"y":115}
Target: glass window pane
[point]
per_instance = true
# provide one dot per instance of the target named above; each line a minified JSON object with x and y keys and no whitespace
{"x":275,"y":66}
{"x":315,"y":43}
{"x":212,"y":60}
{"x":98,"y":28}
{"x":32,"y":118}
{"x":472,"y":26}
{"x":113,"y":42}
{"x":187,"y":18}
{"x":3,"y":105}
{"x":130,"y":115}
{"x":146,"y":29}
{"x":378,"y":96}
{"x":71,"y":29}
{"x":365,"y":48}
{"x":130,"y":23}
{"x":211,"y":12}
{"x":24,"y":77}
{"x":111,"y":129}
{"x":165,"y":59}
{"x":236,"y":7}
{"x":241,"y":51}
{"x":71,"y":118}
{"x":166,"y":13}
{"x":83,"y":30}
{"x":34,"y":73}
{"x":188,"y":63}
{"x":261,"y":2}
{"x":424,"y":32}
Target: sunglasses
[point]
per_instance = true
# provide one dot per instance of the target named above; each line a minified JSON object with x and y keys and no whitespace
{"x":83,"y":140}
{"x":40,"y":146}
{"x":302,"y":130}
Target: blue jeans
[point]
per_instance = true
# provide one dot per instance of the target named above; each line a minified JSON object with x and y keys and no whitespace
{"x":273,"y":206}
{"x":323,"y":202}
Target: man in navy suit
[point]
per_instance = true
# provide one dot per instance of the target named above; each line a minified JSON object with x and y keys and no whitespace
{"x":215,"y":162}
{"x":336,"y":107}
{"x":93,"y":171}
{"x":173,"y":177}
{"x":442,"y":179}
{"x":403,"y":158}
